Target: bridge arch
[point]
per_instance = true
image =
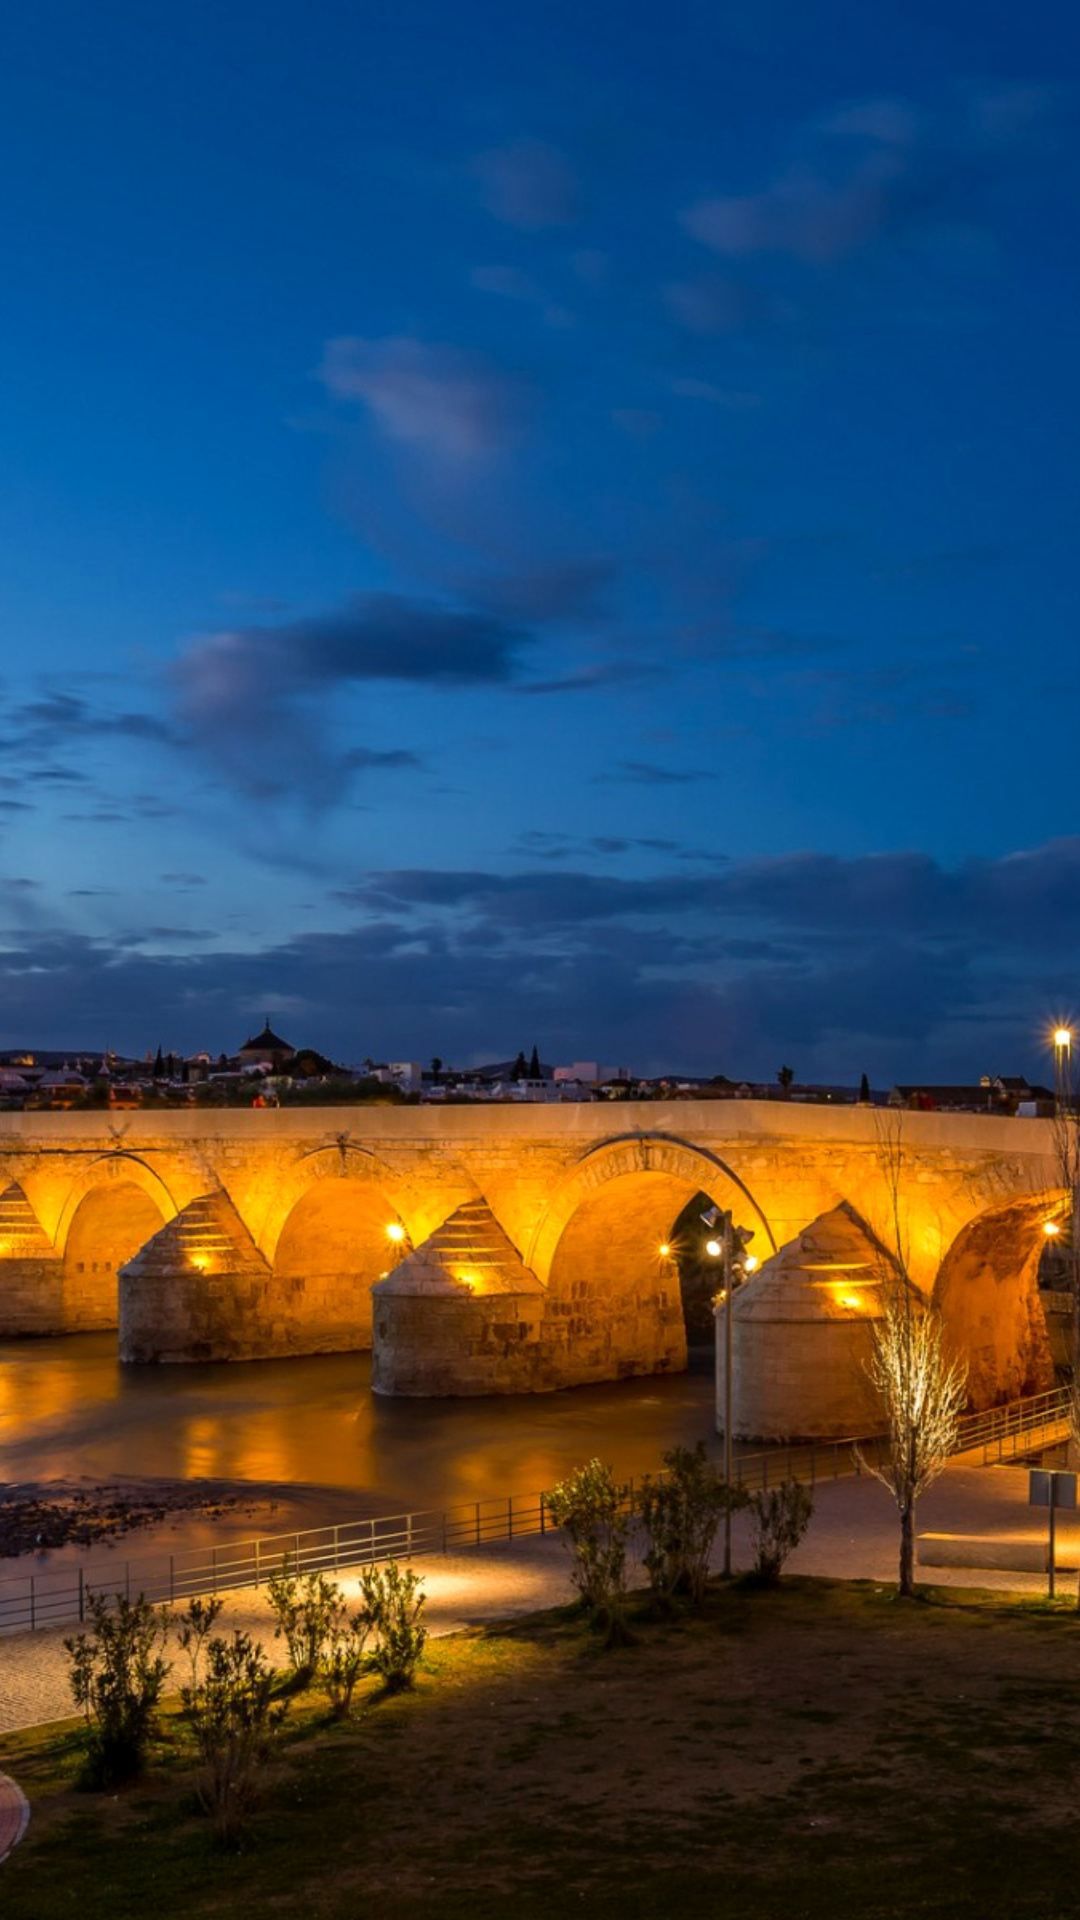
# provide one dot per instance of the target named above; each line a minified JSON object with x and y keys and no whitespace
{"x":113,"y":1207}
{"x":694,"y":1168}
{"x":988,"y":1295}
{"x":326,"y":1236}
{"x":604,"y":1251}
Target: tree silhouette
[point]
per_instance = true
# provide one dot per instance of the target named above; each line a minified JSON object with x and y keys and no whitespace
{"x":519,"y":1069}
{"x":785,"y":1076}
{"x":534,"y":1065}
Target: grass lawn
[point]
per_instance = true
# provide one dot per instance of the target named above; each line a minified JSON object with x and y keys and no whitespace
{"x":816,"y":1751}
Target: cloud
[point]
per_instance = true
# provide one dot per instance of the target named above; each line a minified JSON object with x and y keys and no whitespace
{"x":643,"y":773}
{"x":811,"y":218}
{"x":711,"y":303}
{"x":511,"y":283}
{"x":867,"y":170}
{"x":558,"y":590}
{"x":528,"y":185}
{"x":890,"y":963}
{"x":451,"y":404}
{"x":248,"y":697}
{"x":365,"y":759}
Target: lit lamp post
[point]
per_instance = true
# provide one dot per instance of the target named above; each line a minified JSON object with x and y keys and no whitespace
{"x":1062,"y":1070}
{"x":729,"y":1248}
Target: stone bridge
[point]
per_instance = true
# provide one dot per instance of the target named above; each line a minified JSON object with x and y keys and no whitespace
{"x":531,"y":1235}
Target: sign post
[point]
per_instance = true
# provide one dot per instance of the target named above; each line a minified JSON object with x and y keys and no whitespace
{"x":1052,"y":1489}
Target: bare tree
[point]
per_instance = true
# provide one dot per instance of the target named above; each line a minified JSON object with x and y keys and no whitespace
{"x":921,"y":1386}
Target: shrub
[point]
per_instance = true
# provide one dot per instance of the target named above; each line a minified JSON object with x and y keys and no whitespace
{"x":346,"y":1658}
{"x":196,"y":1624}
{"x":231,"y":1713}
{"x":117,"y":1674}
{"x":780,"y":1518}
{"x":592,"y":1511}
{"x":680,"y":1513}
{"x":394,"y":1601}
{"x":305,"y":1607}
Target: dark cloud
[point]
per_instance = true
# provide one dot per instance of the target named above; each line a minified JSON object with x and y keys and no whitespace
{"x":643,"y":773}
{"x":245,"y":697}
{"x":886,"y":964}
{"x":528,"y":185}
{"x":365,"y":759}
{"x":57,"y":717}
{"x":594,"y":677}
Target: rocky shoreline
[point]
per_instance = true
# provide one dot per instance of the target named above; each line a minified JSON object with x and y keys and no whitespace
{"x":36,"y":1519}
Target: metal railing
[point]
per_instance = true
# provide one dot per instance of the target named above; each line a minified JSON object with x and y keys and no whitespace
{"x":1022,"y":1426}
{"x":56,"y":1596}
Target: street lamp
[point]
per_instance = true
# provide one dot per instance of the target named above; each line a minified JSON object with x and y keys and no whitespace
{"x":1062,"y":1069}
{"x":731,"y":1248}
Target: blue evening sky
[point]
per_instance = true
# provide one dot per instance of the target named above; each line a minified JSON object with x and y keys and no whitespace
{"x":541,"y":525}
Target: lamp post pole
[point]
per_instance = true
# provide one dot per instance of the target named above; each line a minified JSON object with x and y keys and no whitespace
{"x":729,"y":1301}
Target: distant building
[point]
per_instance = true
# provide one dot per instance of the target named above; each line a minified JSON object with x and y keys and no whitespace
{"x":267,"y":1046}
{"x":1002,"y":1094}
{"x":590,"y":1073}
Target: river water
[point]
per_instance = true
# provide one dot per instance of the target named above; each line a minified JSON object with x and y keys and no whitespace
{"x":70,"y":1411}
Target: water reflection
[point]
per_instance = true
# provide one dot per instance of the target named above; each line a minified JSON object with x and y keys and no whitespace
{"x":68,"y":1408}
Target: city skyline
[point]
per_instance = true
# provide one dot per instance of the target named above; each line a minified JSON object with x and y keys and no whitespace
{"x":531,"y":529}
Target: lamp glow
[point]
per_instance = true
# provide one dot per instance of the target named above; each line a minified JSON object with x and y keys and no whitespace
{"x":664,"y":1250}
{"x":714,"y":1248}
{"x":1051,"y":1228}
{"x":395,"y":1231}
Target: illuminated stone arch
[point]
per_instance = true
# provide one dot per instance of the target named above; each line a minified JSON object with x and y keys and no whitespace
{"x":113,"y":1207}
{"x":325,"y":1234}
{"x":614,"y":1305}
{"x":988,"y":1295}
{"x":696,"y":1169}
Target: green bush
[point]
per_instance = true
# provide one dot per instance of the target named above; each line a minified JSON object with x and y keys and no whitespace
{"x":117,"y":1673}
{"x":306,"y":1607}
{"x":592,"y":1510}
{"x":393,"y":1603}
{"x":345,"y":1658}
{"x":780,"y":1518}
{"x":230,"y":1710}
{"x":680,"y":1512}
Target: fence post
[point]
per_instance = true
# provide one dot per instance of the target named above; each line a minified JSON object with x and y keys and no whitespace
{"x":478,"y":1523}
{"x":543,"y":1515}
{"x":258,"y":1570}
{"x":213,"y":1569}
{"x":127,"y":1579}
{"x":510,"y":1517}
{"x":82,"y":1597}
{"x":172,"y":1582}
{"x":337,"y":1548}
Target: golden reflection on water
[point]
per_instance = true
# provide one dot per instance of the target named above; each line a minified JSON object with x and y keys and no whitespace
{"x":68,"y":1409}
